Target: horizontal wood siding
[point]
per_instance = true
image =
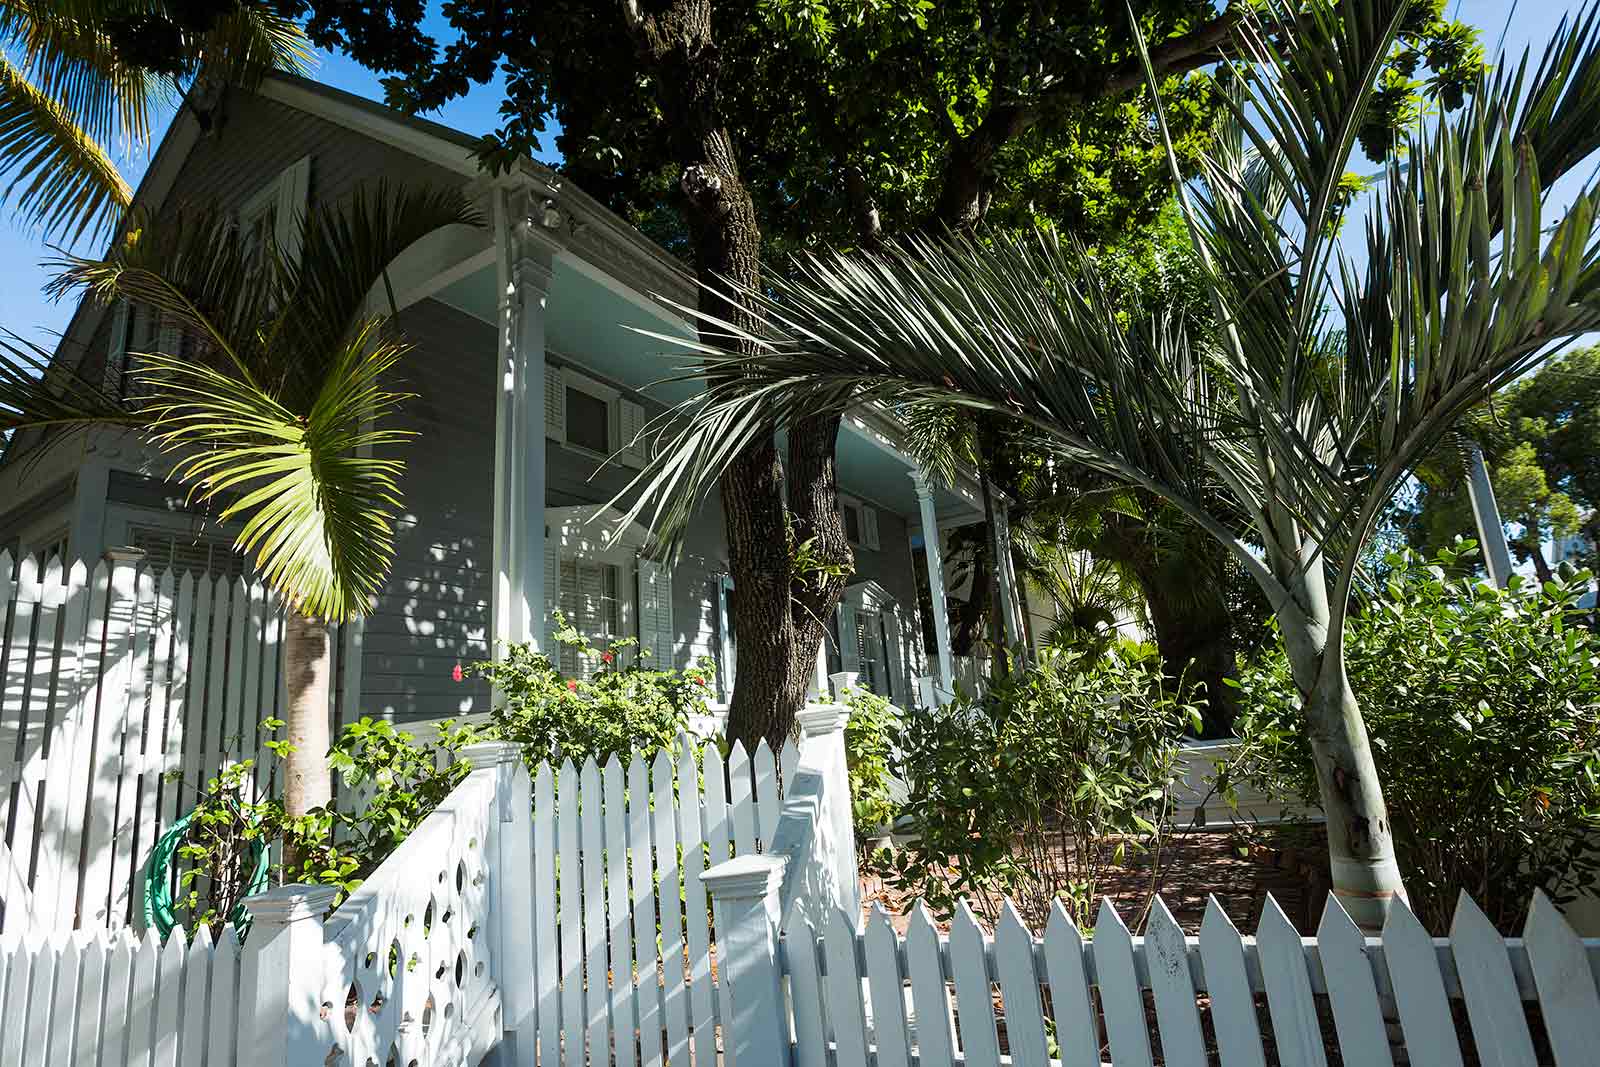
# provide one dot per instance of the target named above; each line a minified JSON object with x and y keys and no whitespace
{"x":434,"y":611}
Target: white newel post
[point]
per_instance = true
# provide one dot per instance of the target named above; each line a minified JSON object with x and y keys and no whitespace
{"x":822,"y":749}
{"x":523,"y":267}
{"x":745,"y":899}
{"x":284,"y":973}
{"x":510,"y":904}
{"x":932,"y":550}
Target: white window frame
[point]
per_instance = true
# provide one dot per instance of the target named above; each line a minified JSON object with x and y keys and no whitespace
{"x":620,"y":411}
{"x":866,"y":522}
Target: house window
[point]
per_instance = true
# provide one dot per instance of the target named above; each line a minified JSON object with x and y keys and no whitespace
{"x":591,"y":601}
{"x":860,"y":523}
{"x":585,"y":414}
{"x":276,"y":211}
{"x":588,"y":421}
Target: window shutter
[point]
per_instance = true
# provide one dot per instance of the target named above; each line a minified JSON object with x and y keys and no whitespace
{"x":555,"y":403}
{"x":655,"y":613}
{"x":552,"y":594}
{"x":117,"y":348}
{"x":869,"y":527}
{"x":894,"y":669}
{"x":294,"y":187}
{"x":849,"y":639}
{"x":630,"y":423}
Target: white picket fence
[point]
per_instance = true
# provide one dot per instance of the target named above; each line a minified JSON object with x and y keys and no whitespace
{"x":67,"y":998}
{"x":113,"y":678}
{"x":406,"y":971}
{"x":1081,"y":1001}
{"x":565,"y":917}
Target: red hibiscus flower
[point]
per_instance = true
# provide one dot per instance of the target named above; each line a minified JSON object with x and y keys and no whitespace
{"x":456,"y":674}
{"x":572,"y":686}
{"x":606,"y":657}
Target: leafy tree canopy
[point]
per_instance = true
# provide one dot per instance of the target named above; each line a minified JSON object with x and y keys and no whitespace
{"x":857,"y":117}
{"x":1541,"y":438}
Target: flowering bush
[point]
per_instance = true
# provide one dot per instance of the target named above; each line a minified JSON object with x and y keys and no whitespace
{"x":1483,"y":706}
{"x":614,"y":711}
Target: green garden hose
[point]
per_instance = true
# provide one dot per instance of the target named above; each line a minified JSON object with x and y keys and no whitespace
{"x":158,"y":911}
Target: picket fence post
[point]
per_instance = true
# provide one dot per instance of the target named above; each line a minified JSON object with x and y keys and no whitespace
{"x":746,"y":898}
{"x":510,"y":904}
{"x":282,"y":1017}
{"x":822,"y":749}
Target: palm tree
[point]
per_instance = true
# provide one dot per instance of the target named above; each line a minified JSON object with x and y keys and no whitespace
{"x":77,"y":86}
{"x":271,"y":407}
{"x":1303,"y":432}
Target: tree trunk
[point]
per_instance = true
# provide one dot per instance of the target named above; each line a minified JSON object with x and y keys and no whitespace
{"x":307,"y":668}
{"x":776,"y":653}
{"x":1366,"y":875}
{"x":1194,"y":636}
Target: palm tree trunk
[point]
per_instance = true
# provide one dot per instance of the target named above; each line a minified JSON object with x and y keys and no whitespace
{"x":307,"y":665}
{"x":1366,"y":876}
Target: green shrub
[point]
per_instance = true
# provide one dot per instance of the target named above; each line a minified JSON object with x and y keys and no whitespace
{"x":614,"y":712}
{"x":1483,"y":706}
{"x":869,"y":745}
{"x":1033,"y":791}
{"x":405,"y":780}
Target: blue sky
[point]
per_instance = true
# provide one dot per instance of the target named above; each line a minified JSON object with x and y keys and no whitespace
{"x":25,"y":311}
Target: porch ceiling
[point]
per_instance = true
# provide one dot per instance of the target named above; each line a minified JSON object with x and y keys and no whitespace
{"x":591,"y":323}
{"x":595,"y":324}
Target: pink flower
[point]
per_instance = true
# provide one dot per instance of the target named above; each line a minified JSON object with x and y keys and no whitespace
{"x":456,"y":674}
{"x":606,"y":657}
{"x":700,"y":681}
{"x":572,"y":686}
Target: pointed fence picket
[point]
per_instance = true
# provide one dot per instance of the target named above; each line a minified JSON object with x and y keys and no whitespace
{"x":1120,"y":998}
{"x":123,"y":689}
{"x":97,"y":996}
{"x":622,"y":918}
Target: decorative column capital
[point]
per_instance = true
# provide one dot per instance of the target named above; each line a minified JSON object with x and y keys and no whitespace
{"x":919,"y":478}
{"x":819,"y":720}
{"x":749,"y":877}
{"x":485,"y":754}
{"x":288,"y":904}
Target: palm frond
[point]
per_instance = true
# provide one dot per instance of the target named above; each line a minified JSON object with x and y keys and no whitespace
{"x":68,"y":57}
{"x":193,"y":270}
{"x":248,"y":41}
{"x":317,"y":509}
{"x":37,"y":393}
{"x":58,"y":178}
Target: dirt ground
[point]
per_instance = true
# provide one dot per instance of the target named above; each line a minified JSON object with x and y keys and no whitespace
{"x":1239,"y":865}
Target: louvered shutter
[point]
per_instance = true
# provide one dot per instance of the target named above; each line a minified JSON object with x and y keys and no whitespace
{"x":894,"y":669}
{"x":849,"y":639}
{"x":869,"y":527}
{"x":655,"y":613}
{"x":552,"y":595}
{"x":555,"y":403}
{"x":630,"y":423}
{"x":117,"y":348}
{"x":294,"y":186}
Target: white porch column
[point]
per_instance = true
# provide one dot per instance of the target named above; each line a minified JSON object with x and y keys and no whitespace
{"x":931,"y":549}
{"x":1005,"y":572}
{"x":523,"y":269}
